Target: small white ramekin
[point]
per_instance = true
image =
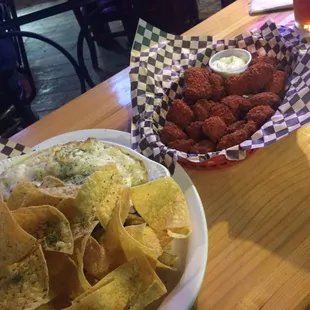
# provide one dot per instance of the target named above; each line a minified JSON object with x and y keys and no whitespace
{"x":238,"y":52}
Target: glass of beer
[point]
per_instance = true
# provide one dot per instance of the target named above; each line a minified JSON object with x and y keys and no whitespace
{"x":302,"y":14}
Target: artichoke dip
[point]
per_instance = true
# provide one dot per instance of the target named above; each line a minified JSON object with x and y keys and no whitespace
{"x":72,"y":162}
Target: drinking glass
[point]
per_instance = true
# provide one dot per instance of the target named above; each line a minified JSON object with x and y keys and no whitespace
{"x":302,"y":14}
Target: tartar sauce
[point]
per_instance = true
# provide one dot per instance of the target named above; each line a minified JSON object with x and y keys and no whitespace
{"x":231,"y":63}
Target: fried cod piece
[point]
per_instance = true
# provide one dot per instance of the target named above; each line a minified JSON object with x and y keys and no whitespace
{"x":254,"y":79}
{"x":197,"y":84}
{"x":171,"y":132}
{"x":203,"y":147}
{"x":260,"y":114}
{"x":277,"y":84}
{"x":180,"y":114}
{"x":266,"y":98}
{"x":215,"y":128}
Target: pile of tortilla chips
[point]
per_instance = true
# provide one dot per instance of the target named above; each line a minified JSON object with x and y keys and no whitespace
{"x":94,"y":246}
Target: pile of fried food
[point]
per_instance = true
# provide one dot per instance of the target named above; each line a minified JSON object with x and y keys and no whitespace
{"x":85,"y":246}
{"x":216,"y":114}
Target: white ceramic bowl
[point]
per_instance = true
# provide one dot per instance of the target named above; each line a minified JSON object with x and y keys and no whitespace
{"x":184,"y":284}
{"x":238,"y":52}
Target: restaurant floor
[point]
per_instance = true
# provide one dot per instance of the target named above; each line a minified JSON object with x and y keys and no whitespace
{"x":54,"y":76}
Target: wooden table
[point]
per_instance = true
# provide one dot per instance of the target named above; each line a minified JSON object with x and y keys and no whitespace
{"x":257,"y":211}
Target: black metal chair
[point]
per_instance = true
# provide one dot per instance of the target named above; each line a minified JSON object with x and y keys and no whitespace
{"x":15,"y":106}
{"x":7,"y":13}
{"x":16,"y":111}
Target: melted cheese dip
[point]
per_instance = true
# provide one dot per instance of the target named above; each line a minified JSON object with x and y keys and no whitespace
{"x":73,"y":163}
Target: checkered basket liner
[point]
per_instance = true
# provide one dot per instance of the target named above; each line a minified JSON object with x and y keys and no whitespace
{"x":9,"y":148}
{"x":158,"y":62}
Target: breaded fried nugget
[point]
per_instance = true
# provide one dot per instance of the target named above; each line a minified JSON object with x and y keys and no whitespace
{"x":232,"y":139}
{"x":254,"y":79}
{"x":250,"y":128}
{"x":171,"y":132}
{"x":194,"y":130}
{"x":277,"y":84}
{"x":202,"y":109}
{"x":218,"y":87}
{"x":224,"y":112}
{"x":264,"y":59}
{"x":180,"y":113}
{"x":181,"y":145}
{"x":214,"y":127}
{"x":197,"y":84}
{"x":245,"y":106}
{"x":237,"y":105}
{"x":203,"y":147}
{"x":260,"y":114}
{"x":266,"y":98}
{"x":235,"y":126}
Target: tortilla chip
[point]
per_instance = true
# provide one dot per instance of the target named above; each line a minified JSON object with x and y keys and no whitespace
{"x":136,"y":231}
{"x":151,"y":240}
{"x":179,"y":233}
{"x":57,"y":303}
{"x":79,"y":213}
{"x":48,"y":225}
{"x":98,"y":232}
{"x":80,"y":223}
{"x":24,"y":285}
{"x":167,"y":261}
{"x":120,"y":245}
{"x":162,"y":205}
{"x":133,"y":285}
{"x":133,"y":219}
{"x":164,"y":239}
{"x":50,"y":181}
{"x":64,"y":276}
{"x":26,"y":194}
{"x":69,"y":191}
{"x":95,"y":260}
{"x":146,"y":236}
{"x":78,"y":258}
{"x":47,"y":306}
{"x":99,"y":194}
{"x":67,"y":208}
{"x":15,"y":243}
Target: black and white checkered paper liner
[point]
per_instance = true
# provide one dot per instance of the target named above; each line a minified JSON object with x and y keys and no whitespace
{"x":158,"y":62}
{"x":9,"y":148}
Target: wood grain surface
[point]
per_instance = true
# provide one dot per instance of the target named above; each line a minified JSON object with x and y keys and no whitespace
{"x":257,"y":211}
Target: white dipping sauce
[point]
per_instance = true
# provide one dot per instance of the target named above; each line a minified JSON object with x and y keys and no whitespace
{"x":231,"y":63}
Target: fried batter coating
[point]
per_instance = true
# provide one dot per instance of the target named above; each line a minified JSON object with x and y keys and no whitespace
{"x":238,"y":105}
{"x":266,"y":98}
{"x":194,"y":130}
{"x":232,"y":139}
{"x":181,"y":145}
{"x":250,"y":128}
{"x":218,"y":87}
{"x":214,"y":127}
{"x":235,"y":126}
{"x":260,"y":114}
{"x":202,"y":109}
{"x":277,"y":84}
{"x":171,"y":132}
{"x":197,"y":84}
{"x":180,"y":113}
{"x":264,"y":59}
{"x":254,"y":79}
{"x":224,"y":112}
{"x":203,"y":147}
